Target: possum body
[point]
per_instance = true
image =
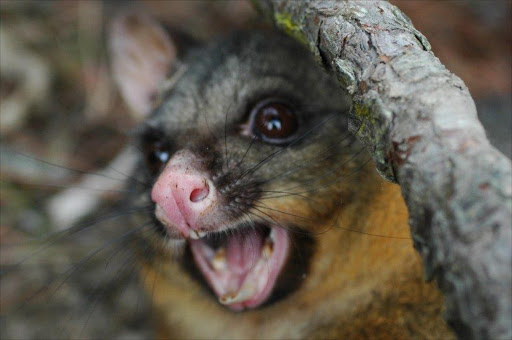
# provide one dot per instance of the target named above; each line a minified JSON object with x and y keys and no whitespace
{"x":266,"y":218}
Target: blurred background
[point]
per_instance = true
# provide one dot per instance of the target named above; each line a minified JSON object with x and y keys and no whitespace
{"x":58,"y":104}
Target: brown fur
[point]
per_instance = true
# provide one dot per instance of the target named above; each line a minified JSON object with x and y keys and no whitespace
{"x":359,"y":286}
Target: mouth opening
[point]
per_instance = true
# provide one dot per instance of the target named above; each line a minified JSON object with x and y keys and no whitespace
{"x":243,"y":265}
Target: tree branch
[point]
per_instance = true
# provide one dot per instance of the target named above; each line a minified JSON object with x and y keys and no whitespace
{"x":420,"y":124}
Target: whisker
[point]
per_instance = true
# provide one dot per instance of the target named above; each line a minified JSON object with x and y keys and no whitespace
{"x":82,"y":226}
{"x":273,"y":154}
{"x":58,"y":235}
{"x":291,"y":230}
{"x":73,"y":186}
{"x":77,"y":265}
{"x":105,"y":245}
{"x":273,"y":219}
{"x":373,"y":235}
{"x":246,"y":151}
{"x":330,"y":171}
{"x":98,"y":294}
{"x":286,"y":193}
{"x":283,"y":212}
{"x":337,"y":180}
{"x":226,"y":139}
{"x":307,"y":163}
{"x":128,"y":177}
{"x":84,"y":172}
{"x":156,"y":273}
{"x":333,"y":225}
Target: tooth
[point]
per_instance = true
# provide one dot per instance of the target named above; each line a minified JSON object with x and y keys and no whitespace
{"x":272,"y":234}
{"x":202,"y":234}
{"x":194,"y":235}
{"x":245,"y":293}
{"x":219,"y":260}
{"x":268,"y":249}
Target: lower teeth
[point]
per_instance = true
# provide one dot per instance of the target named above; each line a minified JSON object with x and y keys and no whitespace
{"x":245,"y":293}
{"x":218,"y":261}
{"x":248,"y":288}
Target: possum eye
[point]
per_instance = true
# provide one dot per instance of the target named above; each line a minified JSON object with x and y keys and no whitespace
{"x":156,"y":154}
{"x":273,"y":122}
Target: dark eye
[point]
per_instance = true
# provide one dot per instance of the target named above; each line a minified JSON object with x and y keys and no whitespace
{"x":274,"y":122}
{"x":156,"y":152}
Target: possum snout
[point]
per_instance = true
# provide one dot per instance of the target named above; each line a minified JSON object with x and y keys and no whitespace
{"x":184,"y":195}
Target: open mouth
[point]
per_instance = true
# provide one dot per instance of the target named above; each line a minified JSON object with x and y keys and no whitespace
{"x":242,"y":266}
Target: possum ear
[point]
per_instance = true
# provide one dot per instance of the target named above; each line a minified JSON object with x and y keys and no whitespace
{"x":141,"y":56}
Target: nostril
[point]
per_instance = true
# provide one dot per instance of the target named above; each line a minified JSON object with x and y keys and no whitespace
{"x":199,"y":194}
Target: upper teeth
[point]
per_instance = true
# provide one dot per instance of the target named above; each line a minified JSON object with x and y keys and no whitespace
{"x":268,"y":249}
{"x":272,"y":235}
{"x":196,"y":235}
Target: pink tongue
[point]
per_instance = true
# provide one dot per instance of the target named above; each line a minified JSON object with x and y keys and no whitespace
{"x":243,"y":252}
{"x":239,"y":273}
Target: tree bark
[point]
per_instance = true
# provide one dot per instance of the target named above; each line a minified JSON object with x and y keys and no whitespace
{"x":420,"y":124}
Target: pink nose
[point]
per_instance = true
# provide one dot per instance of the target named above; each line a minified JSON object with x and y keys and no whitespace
{"x":183,"y":194}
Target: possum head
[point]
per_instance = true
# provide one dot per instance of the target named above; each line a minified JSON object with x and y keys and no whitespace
{"x":244,"y":151}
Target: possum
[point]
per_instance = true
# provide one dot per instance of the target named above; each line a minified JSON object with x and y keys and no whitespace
{"x":255,"y":213}
{"x":264,"y":218}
